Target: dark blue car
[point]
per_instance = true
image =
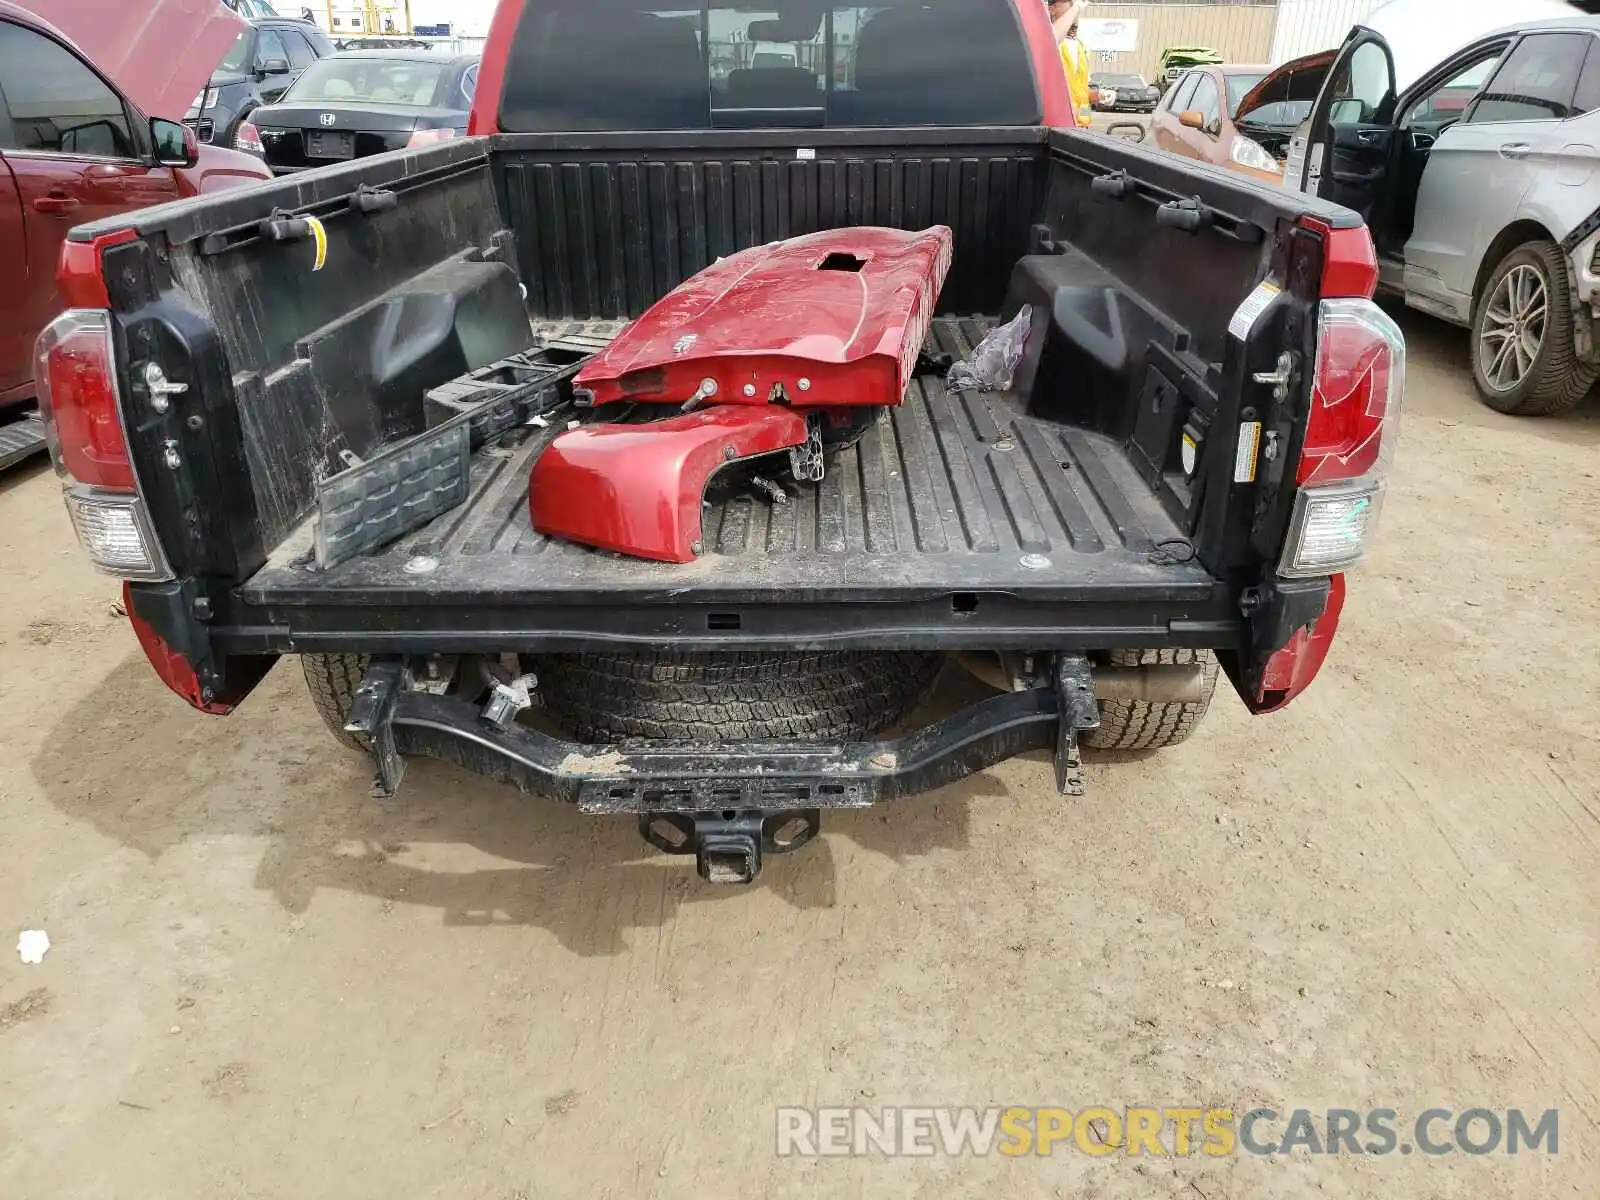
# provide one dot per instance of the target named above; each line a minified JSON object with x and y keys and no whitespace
{"x":260,"y":66}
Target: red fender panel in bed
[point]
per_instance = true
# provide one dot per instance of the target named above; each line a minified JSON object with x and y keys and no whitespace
{"x":835,"y":318}
{"x":636,"y":489}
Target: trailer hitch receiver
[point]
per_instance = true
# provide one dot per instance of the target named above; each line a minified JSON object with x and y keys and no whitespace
{"x":728,"y":846}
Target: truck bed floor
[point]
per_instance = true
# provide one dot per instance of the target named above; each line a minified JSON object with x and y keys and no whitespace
{"x":950,"y":493}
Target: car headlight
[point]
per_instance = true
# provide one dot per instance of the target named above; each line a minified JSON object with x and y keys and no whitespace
{"x":1250,"y":153}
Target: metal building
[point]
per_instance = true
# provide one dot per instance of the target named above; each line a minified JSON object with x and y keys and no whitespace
{"x":1306,"y":26}
{"x":1242,"y":33}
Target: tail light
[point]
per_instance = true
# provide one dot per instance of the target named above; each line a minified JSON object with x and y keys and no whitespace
{"x":428,"y":137}
{"x":79,"y":400}
{"x":1354,"y":422}
{"x":1350,"y":439}
{"x":248,"y":139}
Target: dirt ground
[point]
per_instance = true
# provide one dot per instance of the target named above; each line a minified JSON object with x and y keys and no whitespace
{"x":265,"y":984}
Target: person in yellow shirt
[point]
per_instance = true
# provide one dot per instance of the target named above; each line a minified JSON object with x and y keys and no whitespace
{"x":1064,"y":16}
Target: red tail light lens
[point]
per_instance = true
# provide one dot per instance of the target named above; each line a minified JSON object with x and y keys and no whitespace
{"x":1356,"y":393}
{"x":1350,"y":437}
{"x":75,"y":371}
{"x":75,"y":366}
{"x":428,"y":137}
{"x":248,"y":139}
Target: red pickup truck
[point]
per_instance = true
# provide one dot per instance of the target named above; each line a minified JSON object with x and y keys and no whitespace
{"x":302,"y":420}
{"x":72,"y":149}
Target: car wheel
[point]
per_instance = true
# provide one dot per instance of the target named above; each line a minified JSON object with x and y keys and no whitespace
{"x":227,"y":137}
{"x":1523,"y":358}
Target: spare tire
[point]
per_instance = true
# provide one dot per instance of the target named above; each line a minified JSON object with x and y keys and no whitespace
{"x":1143,"y":724}
{"x":679,"y":696}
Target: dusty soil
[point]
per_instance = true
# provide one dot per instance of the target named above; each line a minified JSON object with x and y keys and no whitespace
{"x":265,"y":984}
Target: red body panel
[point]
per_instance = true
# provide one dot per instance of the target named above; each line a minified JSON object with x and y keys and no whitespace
{"x":159,"y":53}
{"x":43,"y":195}
{"x":834,"y":318}
{"x":636,"y":489}
{"x":1291,"y":670}
{"x":174,"y":670}
{"x":15,"y":349}
{"x":1050,"y":78}
{"x":1349,"y":260}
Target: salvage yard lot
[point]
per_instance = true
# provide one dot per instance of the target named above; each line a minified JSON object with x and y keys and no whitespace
{"x":263,"y":983}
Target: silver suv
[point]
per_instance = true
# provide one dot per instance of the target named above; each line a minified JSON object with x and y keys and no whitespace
{"x":1480,"y":180}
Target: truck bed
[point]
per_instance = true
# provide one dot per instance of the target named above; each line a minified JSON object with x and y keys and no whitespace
{"x":946,"y":499}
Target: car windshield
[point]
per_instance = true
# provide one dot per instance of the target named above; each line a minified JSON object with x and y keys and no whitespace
{"x":1121,"y":81}
{"x":238,"y":55}
{"x":1280,"y":112}
{"x":370,"y":81}
{"x":1240,"y":86}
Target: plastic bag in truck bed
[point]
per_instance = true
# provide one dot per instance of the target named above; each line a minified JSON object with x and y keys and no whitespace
{"x":993,"y":361}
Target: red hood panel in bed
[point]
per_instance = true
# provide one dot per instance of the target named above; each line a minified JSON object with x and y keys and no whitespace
{"x":833,"y":318}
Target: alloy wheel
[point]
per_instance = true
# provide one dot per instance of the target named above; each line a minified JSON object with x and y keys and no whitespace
{"x":1511,"y":332}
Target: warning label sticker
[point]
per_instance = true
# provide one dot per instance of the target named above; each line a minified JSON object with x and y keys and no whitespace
{"x":1248,"y":313}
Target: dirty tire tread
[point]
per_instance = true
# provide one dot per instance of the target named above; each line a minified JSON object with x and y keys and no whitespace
{"x":1141,"y":725}
{"x":1559,"y":380}
{"x":332,"y":680}
{"x":607,"y":697}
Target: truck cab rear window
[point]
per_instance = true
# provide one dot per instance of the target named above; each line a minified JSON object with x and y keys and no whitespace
{"x":617,"y":64}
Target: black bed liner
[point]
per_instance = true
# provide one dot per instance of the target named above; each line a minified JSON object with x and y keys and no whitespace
{"x":953,"y":503}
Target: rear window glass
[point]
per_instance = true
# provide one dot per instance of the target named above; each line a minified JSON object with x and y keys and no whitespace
{"x":371,"y":81}
{"x":617,"y":64}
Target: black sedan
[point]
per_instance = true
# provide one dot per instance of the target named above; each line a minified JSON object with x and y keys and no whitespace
{"x":363,"y":102}
{"x":1127,"y":93}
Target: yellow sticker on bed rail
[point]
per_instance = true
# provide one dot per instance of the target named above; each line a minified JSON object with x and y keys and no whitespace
{"x":321,"y":236}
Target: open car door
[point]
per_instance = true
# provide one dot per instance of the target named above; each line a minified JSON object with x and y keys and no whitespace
{"x":1344,"y":152}
{"x":1347,"y":154}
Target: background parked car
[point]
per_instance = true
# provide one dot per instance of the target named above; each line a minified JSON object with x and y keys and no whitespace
{"x":1128,"y":93}
{"x":1478,"y":184}
{"x":381,"y":43}
{"x":1196,"y":119}
{"x":259,"y":68}
{"x":72,"y":149}
{"x":363,"y":102}
{"x":1280,"y":105}
{"x":1175,"y":60}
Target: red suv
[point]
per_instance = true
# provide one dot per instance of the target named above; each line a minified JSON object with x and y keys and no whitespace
{"x":73,"y":149}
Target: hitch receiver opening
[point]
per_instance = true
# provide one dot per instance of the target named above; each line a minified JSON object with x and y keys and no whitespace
{"x":728,"y":846}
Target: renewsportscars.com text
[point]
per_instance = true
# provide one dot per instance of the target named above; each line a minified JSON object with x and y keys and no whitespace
{"x":1180,"y":1131}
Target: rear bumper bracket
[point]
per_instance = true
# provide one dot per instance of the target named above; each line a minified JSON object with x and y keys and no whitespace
{"x":728,"y":803}
{"x":1074,"y":688}
{"x":372,"y":715}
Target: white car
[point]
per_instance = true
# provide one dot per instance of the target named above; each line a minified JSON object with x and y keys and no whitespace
{"x":1479,"y":177}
